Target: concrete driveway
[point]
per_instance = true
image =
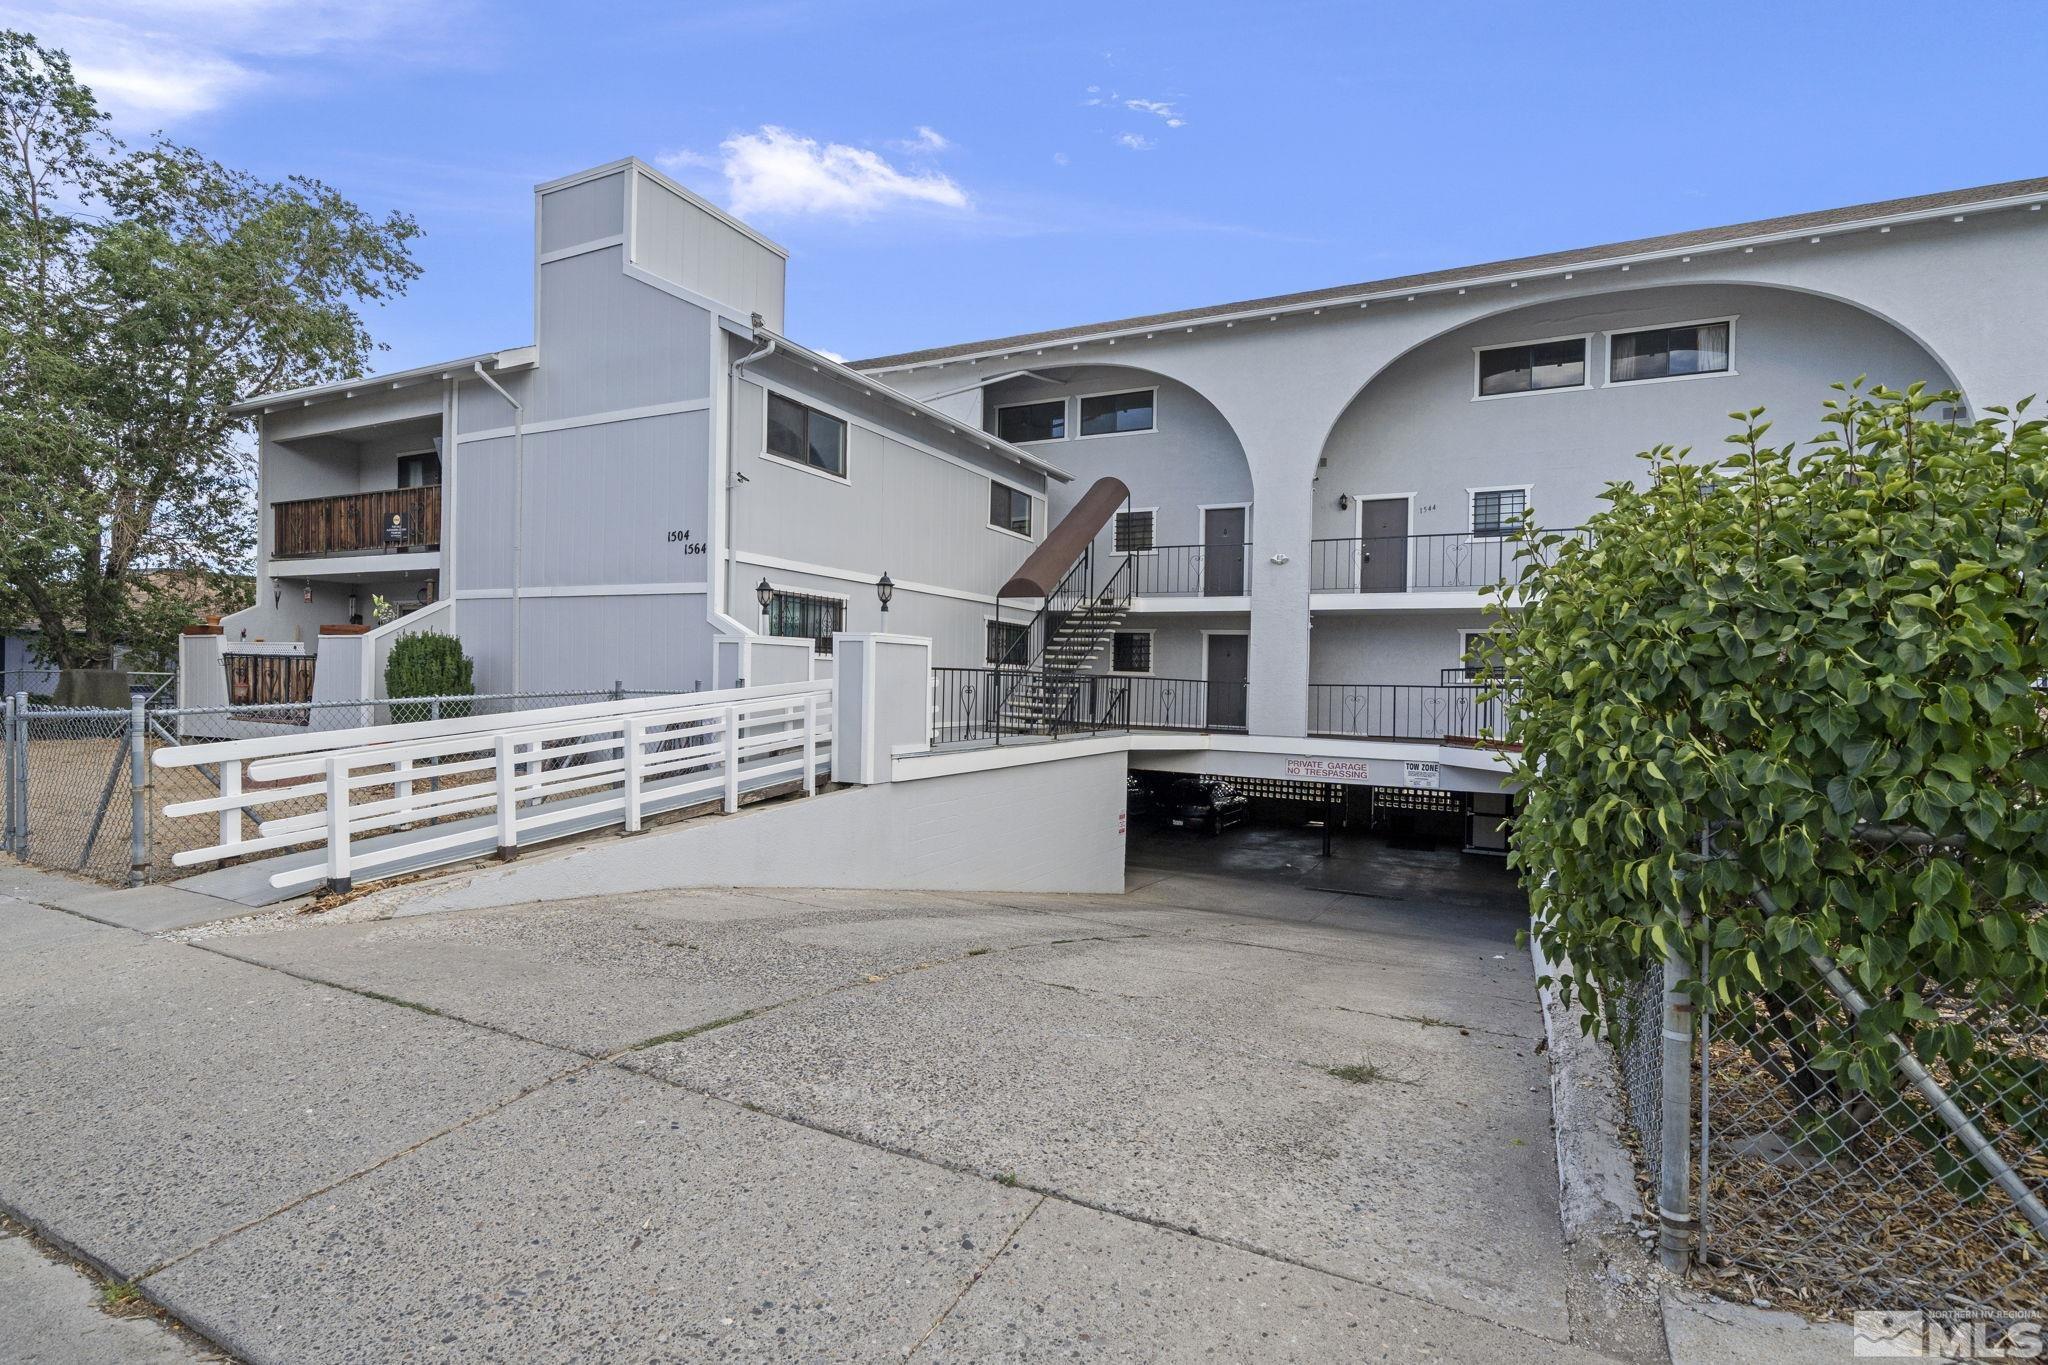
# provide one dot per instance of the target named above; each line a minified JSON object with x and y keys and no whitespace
{"x":1227,"y":1115}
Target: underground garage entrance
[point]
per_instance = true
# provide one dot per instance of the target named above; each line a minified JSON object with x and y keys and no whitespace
{"x":1368,"y":840}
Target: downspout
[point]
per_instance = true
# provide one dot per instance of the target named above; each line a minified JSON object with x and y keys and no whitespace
{"x":726,"y":563}
{"x":518,"y":506}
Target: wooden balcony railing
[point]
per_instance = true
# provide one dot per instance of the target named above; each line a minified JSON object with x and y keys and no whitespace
{"x":272,"y":681}
{"x":357,"y":523}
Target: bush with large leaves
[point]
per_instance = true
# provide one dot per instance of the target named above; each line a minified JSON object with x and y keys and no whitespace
{"x":1806,"y":653}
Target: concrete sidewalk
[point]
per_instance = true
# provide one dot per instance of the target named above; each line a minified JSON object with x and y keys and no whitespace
{"x":707,"y":1125}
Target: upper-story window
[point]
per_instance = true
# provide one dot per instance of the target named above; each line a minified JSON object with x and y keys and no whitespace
{"x":1019,"y":423}
{"x":419,"y":471}
{"x":1498,"y":511}
{"x":1668,"y":352}
{"x":801,"y":615}
{"x":1009,"y":509}
{"x":1113,"y":414}
{"x":1134,"y":531}
{"x":1532,"y":366}
{"x":806,"y":436}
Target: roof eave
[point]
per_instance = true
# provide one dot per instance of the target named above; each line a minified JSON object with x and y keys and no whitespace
{"x":506,"y":361}
{"x":1005,"y":348}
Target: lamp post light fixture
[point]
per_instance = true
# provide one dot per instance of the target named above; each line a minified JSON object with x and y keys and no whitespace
{"x":885,"y":588}
{"x":764,"y":594}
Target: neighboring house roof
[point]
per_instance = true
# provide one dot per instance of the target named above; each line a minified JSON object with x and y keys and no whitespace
{"x":1855,"y":216}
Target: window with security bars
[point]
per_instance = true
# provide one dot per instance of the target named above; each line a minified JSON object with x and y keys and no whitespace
{"x":1131,"y":652}
{"x":1133,"y":532}
{"x":1008,"y":642}
{"x":798,"y":615}
{"x":1498,"y":511}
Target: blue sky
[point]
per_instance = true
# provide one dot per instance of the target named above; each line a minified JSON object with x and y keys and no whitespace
{"x":942,"y":172}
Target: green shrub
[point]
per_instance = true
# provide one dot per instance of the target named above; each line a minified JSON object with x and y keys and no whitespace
{"x":428,"y":664}
{"x":1786,"y":649}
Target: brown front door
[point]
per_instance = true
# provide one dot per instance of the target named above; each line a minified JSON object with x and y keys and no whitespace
{"x":1383,"y":549}
{"x":1229,"y":664}
{"x":1223,"y":552}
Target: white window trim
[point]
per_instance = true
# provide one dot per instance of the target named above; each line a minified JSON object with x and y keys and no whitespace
{"x":1066,"y":420}
{"x":1134,"y":511}
{"x":1585,"y":381}
{"x":805,"y":465}
{"x":1151,"y":655}
{"x":1471,"y":495}
{"x":1608,"y":381}
{"x":845,"y":605}
{"x":1079,"y":398}
{"x":1030,"y":537}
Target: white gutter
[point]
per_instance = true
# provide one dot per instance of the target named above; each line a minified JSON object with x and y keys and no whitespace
{"x":518,"y":507}
{"x":511,"y":358}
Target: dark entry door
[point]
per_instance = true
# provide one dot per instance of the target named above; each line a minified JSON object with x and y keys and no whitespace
{"x":1383,"y":553}
{"x":1223,"y":552}
{"x":1229,"y":664}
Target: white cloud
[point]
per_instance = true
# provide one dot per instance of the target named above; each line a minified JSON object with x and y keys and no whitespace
{"x":1160,"y":107}
{"x":151,"y":61}
{"x":831,"y":355}
{"x":777,"y":172}
{"x":1059,"y":158}
{"x":926,"y":140}
{"x":1137,"y":142}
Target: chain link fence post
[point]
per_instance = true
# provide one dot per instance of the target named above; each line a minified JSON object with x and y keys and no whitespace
{"x":1674,"y":1162}
{"x":13,"y":805}
{"x":21,"y":724}
{"x":138,"y":786}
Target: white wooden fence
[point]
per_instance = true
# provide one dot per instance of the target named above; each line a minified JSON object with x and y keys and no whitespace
{"x":384,"y":799}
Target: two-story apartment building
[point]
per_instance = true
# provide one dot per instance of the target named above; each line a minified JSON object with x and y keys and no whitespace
{"x":1289,"y":505}
{"x":658,"y":479}
{"x":1320,"y":482}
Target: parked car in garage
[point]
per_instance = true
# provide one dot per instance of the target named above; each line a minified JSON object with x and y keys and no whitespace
{"x":1211,"y":807}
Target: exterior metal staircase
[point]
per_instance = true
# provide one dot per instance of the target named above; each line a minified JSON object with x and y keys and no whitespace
{"x":1045,"y":685}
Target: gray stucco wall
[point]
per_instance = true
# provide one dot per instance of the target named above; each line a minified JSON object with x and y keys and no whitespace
{"x":1045,"y":827}
{"x":1190,"y":458}
{"x":1388,"y":647}
{"x":1418,"y":428}
{"x":684,"y":241}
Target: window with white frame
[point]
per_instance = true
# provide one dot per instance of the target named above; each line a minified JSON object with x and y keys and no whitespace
{"x":1668,"y":352}
{"x":806,"y":436}
{"x":804,"y":616}
{"x":1131,"y":652}
{"x":1532,"y":366}
{"x":1020,"y":423}
{"x":1113,"y":414}
{"x":1009,"y":509}
{"x":1498,"y":511}
{"x":1007,"y":642}
{"x":1134,"y":532}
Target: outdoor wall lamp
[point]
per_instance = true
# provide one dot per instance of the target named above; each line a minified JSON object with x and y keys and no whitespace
{"x":885,"y":588}
{"x":763,"y":594}
{"x":1343,"y":502}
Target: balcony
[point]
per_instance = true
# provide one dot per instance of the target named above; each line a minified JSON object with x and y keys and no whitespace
{"x":388,"y":521}
{"x":1183,"y":571}
{"x":1446,"y":562}
{"x":974,"y":706}
{"x":1437,"y":712}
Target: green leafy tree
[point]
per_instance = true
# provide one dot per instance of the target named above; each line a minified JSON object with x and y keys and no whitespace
{"x":1829,"y":661}
{"x":142,"y":291}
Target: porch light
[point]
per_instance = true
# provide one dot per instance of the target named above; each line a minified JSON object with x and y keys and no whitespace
{"x":885,"y":589}
{"x":763,"y":594}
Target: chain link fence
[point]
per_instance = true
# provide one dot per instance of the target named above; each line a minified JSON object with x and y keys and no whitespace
{"x":1849,"y":1157}
{"x":73,"y":801}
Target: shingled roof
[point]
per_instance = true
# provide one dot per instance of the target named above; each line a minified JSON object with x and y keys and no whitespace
{"x":1791,"y":224}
